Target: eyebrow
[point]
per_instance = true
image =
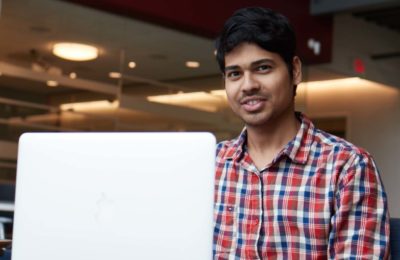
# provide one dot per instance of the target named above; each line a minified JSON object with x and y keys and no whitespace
{"x":253,"y":64}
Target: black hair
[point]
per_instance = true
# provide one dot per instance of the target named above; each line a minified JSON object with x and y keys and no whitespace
{"x":268,"y":29}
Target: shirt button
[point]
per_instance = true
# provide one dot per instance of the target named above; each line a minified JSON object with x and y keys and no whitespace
{"x":256,"y":221}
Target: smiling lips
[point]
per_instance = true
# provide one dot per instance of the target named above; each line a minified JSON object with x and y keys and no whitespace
{"x":252,"y":104}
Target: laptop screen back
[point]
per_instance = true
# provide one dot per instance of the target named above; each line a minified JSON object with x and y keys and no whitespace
{"x":114,"y":196}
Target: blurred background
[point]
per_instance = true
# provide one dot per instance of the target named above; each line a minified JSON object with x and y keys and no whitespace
{"x":150,"y":66}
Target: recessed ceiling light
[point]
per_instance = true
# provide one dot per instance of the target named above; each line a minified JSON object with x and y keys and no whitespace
{"x":52,"y":83}
{"x":114,"y":75}
{"x":192,"y":64}
{"x":132,"y":64}
{"x":72,"y":75}
{"x":75,"y":51}
{"x":98,"y":104}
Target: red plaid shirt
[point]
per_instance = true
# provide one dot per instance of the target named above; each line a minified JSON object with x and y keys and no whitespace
{"x":321,"y":197}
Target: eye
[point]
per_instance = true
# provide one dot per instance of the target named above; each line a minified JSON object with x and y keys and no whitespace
{"x":232,"y":75}
{"x":263,"y":68}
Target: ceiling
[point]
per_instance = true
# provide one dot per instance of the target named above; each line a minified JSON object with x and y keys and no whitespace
{"x":383,"y":13}
{"x":388,"y":17}
{"x":30,"y":36}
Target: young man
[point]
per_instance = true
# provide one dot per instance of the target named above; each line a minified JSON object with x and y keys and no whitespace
{"x":284,"y":189}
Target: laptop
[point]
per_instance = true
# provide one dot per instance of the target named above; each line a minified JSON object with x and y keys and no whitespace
{"x":102,"y":196}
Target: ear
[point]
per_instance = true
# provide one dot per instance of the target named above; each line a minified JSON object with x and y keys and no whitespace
{"x":297,"y":74}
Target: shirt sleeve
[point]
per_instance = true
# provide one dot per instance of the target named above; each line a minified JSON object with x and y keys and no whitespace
{"x":360,"y":224}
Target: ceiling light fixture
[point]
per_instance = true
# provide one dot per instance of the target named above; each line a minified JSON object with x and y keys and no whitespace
{"x":90,"y":105}
{"x":198,"y":100}
{"x":75,"y":51}
{"x":72,"y":75}
{"x":132,"y":64}
{"x":52,"y":83}
{"x":351,"y":81}
{"x":114,"y":75}
{"x":192,"y":64}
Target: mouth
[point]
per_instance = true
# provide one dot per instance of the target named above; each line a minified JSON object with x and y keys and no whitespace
{"x":252,"y":104}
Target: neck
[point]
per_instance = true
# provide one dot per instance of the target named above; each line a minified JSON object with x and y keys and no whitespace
{"x":265,"y":142}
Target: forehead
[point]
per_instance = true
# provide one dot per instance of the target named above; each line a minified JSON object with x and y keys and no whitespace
{"x":246,"y":53}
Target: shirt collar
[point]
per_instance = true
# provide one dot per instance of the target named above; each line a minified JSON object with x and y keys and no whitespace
{"x":238,"y":147}
{"x":297,"y":149}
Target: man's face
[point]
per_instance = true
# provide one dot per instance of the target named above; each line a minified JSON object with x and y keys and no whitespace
{"x":258,"y":85}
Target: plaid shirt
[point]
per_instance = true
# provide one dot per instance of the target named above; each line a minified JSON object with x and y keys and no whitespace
{"x":321,"y":197}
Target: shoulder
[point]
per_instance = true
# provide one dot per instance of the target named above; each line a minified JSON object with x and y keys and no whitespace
{"x":343,"y":152}
{"x":231,"y":149}
{"x":322,"y":143}
{"x":225,"y":147}
{"x":353,"y":165}
{"x":324,"y":148}
{"x":337,"y":144}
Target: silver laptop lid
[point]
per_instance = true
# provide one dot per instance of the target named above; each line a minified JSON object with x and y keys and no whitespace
{"x":114,"y":196}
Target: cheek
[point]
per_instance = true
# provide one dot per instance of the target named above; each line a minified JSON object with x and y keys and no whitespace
{"x":231,"y":92}
{"x":282,"y":95}
{"x":232,"y":103}
{"x":284,"y":88}
{"x":232,"y":100}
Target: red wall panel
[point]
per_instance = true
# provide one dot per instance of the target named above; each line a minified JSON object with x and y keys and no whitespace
{"x":206,"y":17}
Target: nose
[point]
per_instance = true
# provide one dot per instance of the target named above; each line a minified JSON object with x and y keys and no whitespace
{"x":250,"y":83}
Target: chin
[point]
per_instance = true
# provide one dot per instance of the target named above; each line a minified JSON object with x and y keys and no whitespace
{"x":255,"y":124}
{"x":256,"y":121}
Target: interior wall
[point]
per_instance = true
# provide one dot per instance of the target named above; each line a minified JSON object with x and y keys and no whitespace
{"x":373,"y":122}
{"x":355,"y":38}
